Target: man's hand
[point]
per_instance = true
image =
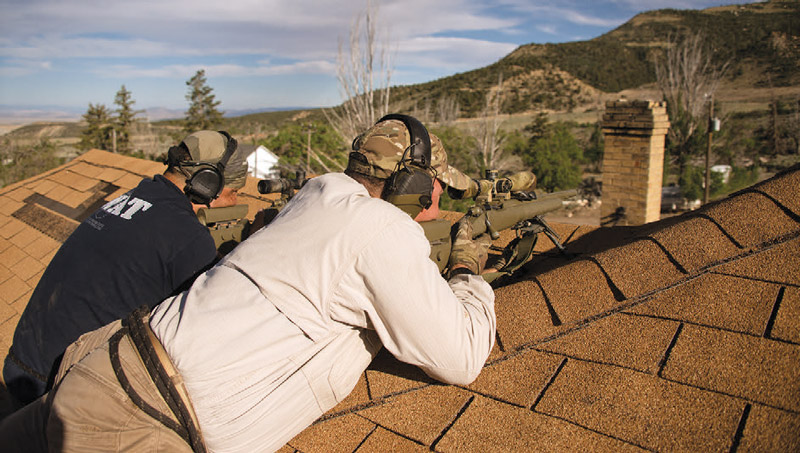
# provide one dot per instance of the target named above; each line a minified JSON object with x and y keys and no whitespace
{"x":467,"y":252}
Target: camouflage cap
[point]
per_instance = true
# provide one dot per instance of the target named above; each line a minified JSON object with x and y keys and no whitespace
{"x":209,"y":147}
{"x":383,"y":146}
{"x":447,"y":174}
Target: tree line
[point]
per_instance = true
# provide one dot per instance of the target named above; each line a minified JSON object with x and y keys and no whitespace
{"x":111,"y":130}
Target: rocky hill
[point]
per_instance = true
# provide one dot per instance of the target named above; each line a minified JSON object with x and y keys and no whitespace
{"x":762,"y":41}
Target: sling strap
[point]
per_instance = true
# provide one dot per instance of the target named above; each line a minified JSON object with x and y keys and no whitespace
{"x":156,"y":362}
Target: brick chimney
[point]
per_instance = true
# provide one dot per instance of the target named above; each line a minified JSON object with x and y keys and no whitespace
{"x":633,"y":161}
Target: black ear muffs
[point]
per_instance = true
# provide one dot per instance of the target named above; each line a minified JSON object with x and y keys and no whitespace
{"x":410,"y":186}
{"x":207,"y":182}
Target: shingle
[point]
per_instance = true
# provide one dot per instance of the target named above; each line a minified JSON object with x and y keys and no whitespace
{"x":753,"y":368}
{"x":382,"y":440}
{"x":575,"y":302}
{"x":44,"y":186}
{"x":420,"y":415}
{"x":489,"y":425}
{"x":12,"y":289}
{"x":86,"y":169}
{"x":75,"y":198}
{"x":22,"y":301}
{"x":641,"y":408}
{"x":696,"y":243}
{"x":787,"y":319}
{"x":41,"y":247}
{"x":628,"y":341}
{"x":73,"y":180}
{"x":771,"y":430}
{"x":357,"y":397}
{"x":522,"y":314}
{"x":111,"y":174}
{"x":387,"y":375}
{"x":519,"y":379}
{"x":11,"y":228}
{"x":24,"y":237}
{"x":8,"y":206}
{"x":5,"y":272}
{"x":11,"y":256}
{"x":7,"y":311}
{"x":752,"y":219}
{"x":784,"y":190}
{"x":7,"y":329}
{"x":20,"y":194}
{"x":58,"y":192}
{"x":731,"y":303}
{"x":638,"y":268}
{"x":129,"y":181}
{"x":591,"y":240}
{"x":777,"y":264}
{"x":27,"y":268}
{"x":340,"y":434}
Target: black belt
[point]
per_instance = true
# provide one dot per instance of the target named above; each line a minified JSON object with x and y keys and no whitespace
{"x":135,"y":327}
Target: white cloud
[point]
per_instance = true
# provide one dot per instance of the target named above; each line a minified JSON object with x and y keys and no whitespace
{"x":454,"y":53}
{"x":220,"y":70}
{"x":21,"y":68}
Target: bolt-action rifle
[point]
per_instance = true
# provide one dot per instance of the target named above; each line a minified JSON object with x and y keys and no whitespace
{"x":500,"y":203}
{"x":229,"y":226}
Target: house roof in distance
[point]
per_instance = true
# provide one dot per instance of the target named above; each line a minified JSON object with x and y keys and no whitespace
{"x":682,"y":334}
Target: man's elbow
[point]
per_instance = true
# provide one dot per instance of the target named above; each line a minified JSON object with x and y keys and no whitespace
{"x":454,"y":377}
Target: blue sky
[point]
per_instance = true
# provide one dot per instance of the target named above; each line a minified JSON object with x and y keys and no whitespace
{"x":64,"y":54}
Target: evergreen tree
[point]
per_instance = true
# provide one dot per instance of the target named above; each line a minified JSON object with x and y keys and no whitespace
{"x":292,"y":141}
{"x":554,"y":158}
{"x":97,"y":133}
{"x":124,"y":120}
{"x":202,"y":113}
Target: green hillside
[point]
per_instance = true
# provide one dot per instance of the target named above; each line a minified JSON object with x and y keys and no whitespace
{"x":762,"y":40}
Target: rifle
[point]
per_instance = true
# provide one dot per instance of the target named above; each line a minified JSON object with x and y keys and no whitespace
{"x":228,"y":226}
{"x":501,"y":203}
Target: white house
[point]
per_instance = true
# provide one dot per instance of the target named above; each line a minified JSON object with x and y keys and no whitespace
{"x":261,"y":162}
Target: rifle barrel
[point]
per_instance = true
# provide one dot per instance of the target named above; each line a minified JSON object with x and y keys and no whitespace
{"x":514,"y":211}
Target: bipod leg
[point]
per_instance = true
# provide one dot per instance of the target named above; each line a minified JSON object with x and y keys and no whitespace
{"x":553,"y":236}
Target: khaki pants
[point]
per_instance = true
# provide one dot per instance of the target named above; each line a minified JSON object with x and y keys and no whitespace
{"x":88,"y":411}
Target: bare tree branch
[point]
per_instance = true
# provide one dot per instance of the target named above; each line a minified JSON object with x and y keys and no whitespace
{"x":489,"y":152}
{"x":688,"y":78}
{"x":363,"y":64}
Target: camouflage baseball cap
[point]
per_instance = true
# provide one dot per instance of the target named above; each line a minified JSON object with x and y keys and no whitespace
{"x":447,"y":174}
{"x":383,"y":146}
{"x":209,"y":147}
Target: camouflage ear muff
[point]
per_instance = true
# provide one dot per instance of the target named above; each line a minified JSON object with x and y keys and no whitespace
{"x":206,"y":183}
{"x":410,"y":186}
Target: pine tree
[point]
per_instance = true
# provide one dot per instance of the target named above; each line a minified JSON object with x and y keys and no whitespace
{"x":125,"y":118}
{"x":98,"y":128}
{"x":202,"y":113}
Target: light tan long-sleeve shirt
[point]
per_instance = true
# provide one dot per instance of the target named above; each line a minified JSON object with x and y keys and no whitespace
{"x":282,"y":329}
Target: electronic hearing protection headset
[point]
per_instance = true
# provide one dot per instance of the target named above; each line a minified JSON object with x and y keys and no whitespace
{"x":206,"y":183}
{"x":410,"y":186}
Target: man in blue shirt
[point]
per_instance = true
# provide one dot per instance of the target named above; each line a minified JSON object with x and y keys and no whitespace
{"x":135,"y":250}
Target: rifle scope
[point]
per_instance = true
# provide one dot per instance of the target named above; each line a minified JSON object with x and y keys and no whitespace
{"x":518,"y":182}
{"x":282,"y":185}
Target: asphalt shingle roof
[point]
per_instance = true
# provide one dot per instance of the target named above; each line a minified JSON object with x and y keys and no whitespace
{"x":682,"y":334}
